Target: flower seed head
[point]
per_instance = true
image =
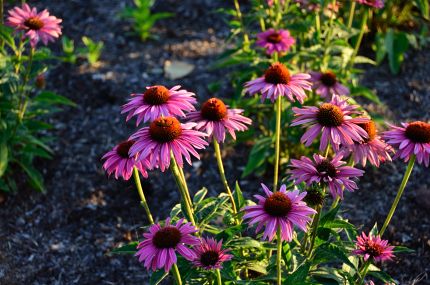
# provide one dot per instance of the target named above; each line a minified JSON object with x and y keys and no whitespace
{"x":330,"y":115}
{"x":214,"y":110}
{"x":156,"y":95}
{"x":165,"y":129}
{"x":277,"y":73}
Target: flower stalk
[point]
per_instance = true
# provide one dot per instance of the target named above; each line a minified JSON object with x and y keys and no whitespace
{"x":314,"y":229}
{"x":142,"y":195}
{"x":178,"y":178}
{"x":351,"y":14}
{"x":277,"y":141}
{"x":399,"y":193}
{"x":218,"y":277}
{"x":176,"y":274}
{"x":360,"y":38}
{"x":222,"y":174}
{"x":278,"y":257}
{"x":242,"y":25}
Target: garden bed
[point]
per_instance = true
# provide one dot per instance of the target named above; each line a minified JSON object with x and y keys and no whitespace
{"x":65,"y":235}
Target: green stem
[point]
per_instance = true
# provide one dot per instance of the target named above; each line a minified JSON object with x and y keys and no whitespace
{"x":185,"y":185}
{"x":360,"y":38}
{"x":399,"y":193}
{"x":1,"y":11}
{"x":314,"y":229}
{"x":222,"y":174}
{"x":177,"y":175}
{"x":176,"y":274}
{"x":279,"y":256}
{"x":218,"y":277}
{"x":277,"y":141}
{"x":335,"y":203}
{"x":363,"y":272}
{"x":142,"y":195}
{"x":240,"y":18}
{"x":260,"y":17}
{"x":351,"y":14}
{"x":318,"y":24}
{"x":328,"y":38}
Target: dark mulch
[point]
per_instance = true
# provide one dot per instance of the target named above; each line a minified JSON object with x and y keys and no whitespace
{"x":65,"y":236}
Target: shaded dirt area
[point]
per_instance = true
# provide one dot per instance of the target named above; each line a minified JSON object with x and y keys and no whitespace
{"x":65,"y":236}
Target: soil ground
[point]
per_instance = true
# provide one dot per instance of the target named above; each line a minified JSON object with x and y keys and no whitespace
{"x":65,"y":236}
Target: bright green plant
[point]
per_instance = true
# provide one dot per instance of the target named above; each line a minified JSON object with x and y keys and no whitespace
{"x":399,"y":26}
{"x":91,"y":51}
{"x":143,"y":18}
{"x":23,"y":110}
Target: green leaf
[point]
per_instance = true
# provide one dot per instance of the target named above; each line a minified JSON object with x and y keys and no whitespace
{"x":126,"y":249}
{"x":402,"y":249}
{"x":244,"y":242}
{"x":329,"y":216}
{"x":424,"y":8}
{"x":53,"y":98}
{"x":258,"y":155}
{"x":157,"y":277}
{"x":338,"y":224}
{"x":36,"y":179}
{"x":329,"y":252}
{"x":200,"y":195}
{"x":238,"y":196}
{"x":299,"y":276}
{"x":396,"y":44}
{"x":4,"y":158}
{"x":6,"y":35}
{"x":175,"y":211}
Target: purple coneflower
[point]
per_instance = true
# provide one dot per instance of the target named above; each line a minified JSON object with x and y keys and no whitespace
{"x":372,"y":149}
{"x":281,"y":210}
{"x":333,"y":121}
{"x":373,"y":3}
{"x":164,"y":136}
{"x":159,"y":101}
{"x":215,"y":118}
{"x":118,"y":161}
{"x":332,"y":173}
{"x":277,"y":81}
{"x":273,"y":41}
{"x":36,"y":26}
{"x":210,"y":255}
{"x":326,"y":84}
{"x":411,"y":139}
{"x":159,"y":248}
{"x":373,"y":247}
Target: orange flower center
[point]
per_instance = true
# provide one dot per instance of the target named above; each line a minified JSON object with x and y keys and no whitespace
{"x":277,"y":73}
{"x":373,"y":249}
{"x":328,"y":79}
{"x":370,"y":128}
{"x":123,"y":149}
{"x":34,"y":23}
{"x":326,"y":168}
{"x":167,"y":237}
{"x":156,"y":95}
{"x":214,"y":110}
{"x":209,"y":258}
{"x":418,"y":132}
{"x":278,"y":205}
{"x":165,"y":129}
{"x":329,"y":115}
{"x":274,"y":38}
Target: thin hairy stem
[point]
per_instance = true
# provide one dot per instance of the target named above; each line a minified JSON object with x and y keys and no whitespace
{"x":142,"y":195}
{"x":399,"y":193}
{"x":222,"y":174}
{"x":176,"y":274}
